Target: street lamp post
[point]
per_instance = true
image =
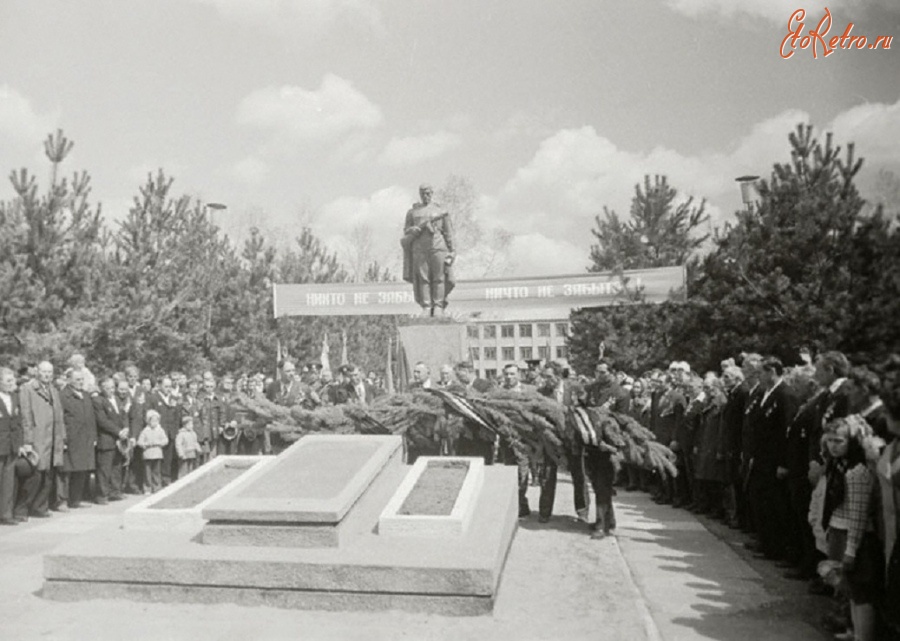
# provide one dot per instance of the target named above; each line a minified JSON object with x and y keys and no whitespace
{"x":748,"y":186}
{"x":214,"y":207}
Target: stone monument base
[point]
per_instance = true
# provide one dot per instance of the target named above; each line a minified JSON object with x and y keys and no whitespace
{"x":366,"y":571}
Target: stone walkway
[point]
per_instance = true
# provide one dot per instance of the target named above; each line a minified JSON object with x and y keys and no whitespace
{"x":665,"y":576}
{"x":699,"y":583}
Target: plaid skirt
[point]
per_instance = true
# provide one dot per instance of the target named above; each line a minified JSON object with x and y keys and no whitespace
{"x":865,"y":584}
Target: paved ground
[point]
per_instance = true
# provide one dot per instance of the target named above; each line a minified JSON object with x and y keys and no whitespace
{"x":667,"y":575}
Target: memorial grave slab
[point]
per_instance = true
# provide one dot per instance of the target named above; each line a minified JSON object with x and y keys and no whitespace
{"x":305,"y":497}
{"x":180,"y":505}
{"x":433,"y":514}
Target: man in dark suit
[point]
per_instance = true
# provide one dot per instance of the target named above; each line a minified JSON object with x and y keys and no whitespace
{"x":513,"y":383}
{"x":473,"y":439}
{"x":112,"y":425}
{"x":286,"y":391}
{"x":359,"y":390}
{"x":10,"y":444}
{"x":169,"y":411}
{"x":832,"y":369}
{"x":81,"y":437}
{"x":751,"y":366}
{"x":733,"y":424}
{"x":559,"y":387}
{"x":211,"y":418}
{"x":134,"y":399}
{"x":606,"y":392}
{"x":768,"y":495}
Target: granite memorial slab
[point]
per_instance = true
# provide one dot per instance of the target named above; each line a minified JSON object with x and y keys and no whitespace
{"x":304,"y":498}
{"x":180,"y":505}
{"x":437,"y":498}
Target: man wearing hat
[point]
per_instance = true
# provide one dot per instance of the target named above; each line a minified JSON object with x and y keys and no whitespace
{"x":44,"y":432}
{"x":10,"y":443}
{"x":428,"y":253}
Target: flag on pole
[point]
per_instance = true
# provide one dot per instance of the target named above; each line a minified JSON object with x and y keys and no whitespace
{"x":389,"y":375}
{"x":344,"y":360}
{"x":323,"y":358}
{"x":277,"y":359}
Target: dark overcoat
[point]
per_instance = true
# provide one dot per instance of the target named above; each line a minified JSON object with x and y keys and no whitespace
{"x":81,"y":431}
{"x":710,"y":460}
{"x":10,"y":428}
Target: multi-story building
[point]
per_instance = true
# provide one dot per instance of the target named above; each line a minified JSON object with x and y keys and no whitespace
{"x":517,"y":336}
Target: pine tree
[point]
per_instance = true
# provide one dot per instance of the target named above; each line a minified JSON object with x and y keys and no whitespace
{"x":51,"y":259}
{"x":658,"y":233}
{"x":169,"y":266}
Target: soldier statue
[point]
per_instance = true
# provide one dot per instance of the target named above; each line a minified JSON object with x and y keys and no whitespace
{"x":428,"y":254}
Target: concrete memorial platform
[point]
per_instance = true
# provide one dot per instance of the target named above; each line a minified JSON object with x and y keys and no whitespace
{"x":310,"y":485}
{"x":179,"y":506}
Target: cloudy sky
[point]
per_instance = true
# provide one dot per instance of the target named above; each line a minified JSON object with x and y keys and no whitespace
{"x":332,"y":112}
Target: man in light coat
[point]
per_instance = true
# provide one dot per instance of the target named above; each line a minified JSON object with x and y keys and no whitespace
{"x":44,"y":432}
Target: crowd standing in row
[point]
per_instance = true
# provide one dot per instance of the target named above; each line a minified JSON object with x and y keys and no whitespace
{"x":806,"y":459}
{"x":73,"y":440}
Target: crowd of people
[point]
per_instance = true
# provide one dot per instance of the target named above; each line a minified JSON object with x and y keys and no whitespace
{"x":806,"y":459}
{"x":73,"y":440}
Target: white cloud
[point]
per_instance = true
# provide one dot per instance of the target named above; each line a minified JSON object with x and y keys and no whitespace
{"x":537,"y":254}
{"x":330,"y":111}
{"x":250,"y":171}
{"x":305,"y":16}
{"x":548,"y":205}
{"x":576,"y":172}
{"x":777,"y":11}
{"x":19,"y":122}
{"x":875,"y":128}
{"x":379,"y":217}
{"x":415,"y":149}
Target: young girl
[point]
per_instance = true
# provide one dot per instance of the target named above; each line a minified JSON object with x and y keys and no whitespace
{"x":152,"y":439}
{"x":847,"y":521}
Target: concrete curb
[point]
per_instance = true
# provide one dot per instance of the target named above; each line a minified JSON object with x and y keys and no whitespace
{"x":647,"y":620}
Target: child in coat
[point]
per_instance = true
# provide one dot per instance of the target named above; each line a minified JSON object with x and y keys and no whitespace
{"x":152,"y":440}
{"x":187,"y":447}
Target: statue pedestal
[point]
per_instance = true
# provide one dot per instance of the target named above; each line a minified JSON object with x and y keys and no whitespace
{"x":434,"y":344}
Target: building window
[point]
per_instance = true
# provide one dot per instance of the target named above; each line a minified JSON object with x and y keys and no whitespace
{"x":473,"y":331}
{"x":475,"y":354}
{"x":544,"y":351}
{"x":527,"y":353}
{"x":490,"y":374}
{"x":490,"y":331}
{"x":561,"y":351}
{"x":509,"y":353}
{"x":562,"y":329}
{"x":543,"y":330}
{"x":507,"y":331}
{"x":525,"y":330}
{"x":490,"y":353}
